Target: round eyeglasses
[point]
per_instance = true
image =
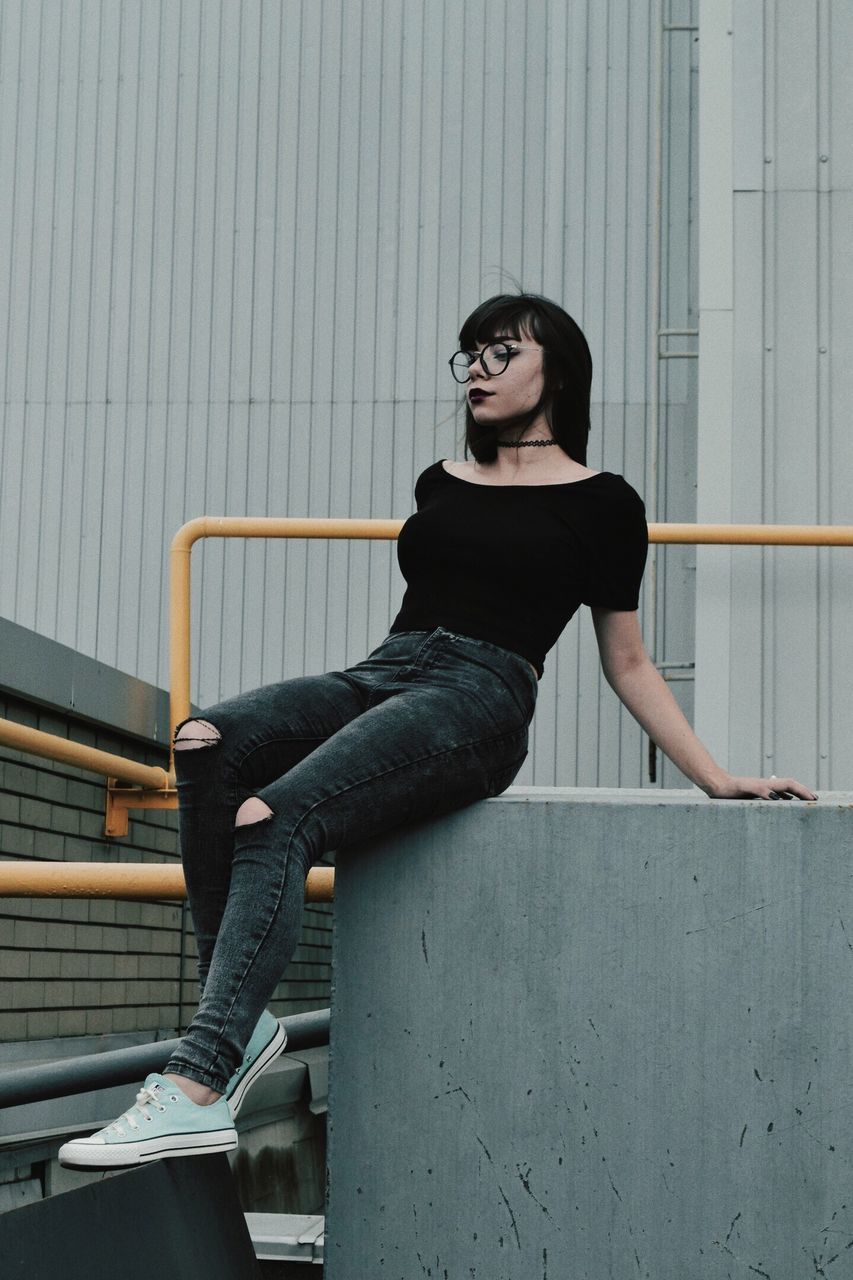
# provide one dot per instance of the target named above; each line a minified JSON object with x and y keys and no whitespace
{"x":494,"y":358}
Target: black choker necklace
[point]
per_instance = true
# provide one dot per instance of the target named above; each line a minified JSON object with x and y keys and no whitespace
{"x":525,"y":444}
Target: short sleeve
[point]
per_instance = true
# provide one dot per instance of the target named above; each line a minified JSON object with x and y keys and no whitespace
{"x":426,"y":481}
{"x":617,"y":547}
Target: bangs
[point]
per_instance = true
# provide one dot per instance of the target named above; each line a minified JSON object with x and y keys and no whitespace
{"x":501,"y":317}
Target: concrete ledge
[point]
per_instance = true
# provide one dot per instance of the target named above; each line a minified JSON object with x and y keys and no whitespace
{"x":595,"y":1035}
{"x":286,"y":1237}
{"x":170,"y":1218}
{"x":52,"y":675}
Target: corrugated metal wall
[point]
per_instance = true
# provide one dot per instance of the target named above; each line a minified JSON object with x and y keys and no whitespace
{"x":773,"y":662}
{"x":236,"y":241}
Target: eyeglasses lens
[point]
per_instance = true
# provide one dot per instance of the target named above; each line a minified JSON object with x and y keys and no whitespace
{"x":459,"y":366}
{"x":494,"y":359}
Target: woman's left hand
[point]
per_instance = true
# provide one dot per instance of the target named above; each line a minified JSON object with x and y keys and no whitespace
{"x":772,"y":788}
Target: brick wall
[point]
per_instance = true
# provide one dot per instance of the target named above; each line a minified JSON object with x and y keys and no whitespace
{"x":77,"y":967}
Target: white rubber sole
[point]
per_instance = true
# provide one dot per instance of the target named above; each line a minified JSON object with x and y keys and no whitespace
{"x":263,"y":1060}
{"x":126,"y":1155}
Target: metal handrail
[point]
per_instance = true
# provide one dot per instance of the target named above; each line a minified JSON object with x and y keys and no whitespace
{"x":237,"y":527}
{"x":157,"y":785}
{"x":37,"y":743}
{"x":754,"y":535}
{"x":49,"y":1080}
{"x":130,"y":881}
{"x":803,"y":535}
{"x":153,"y":779}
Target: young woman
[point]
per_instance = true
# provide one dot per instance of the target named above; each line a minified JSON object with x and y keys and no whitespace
{"x":502,"y":551}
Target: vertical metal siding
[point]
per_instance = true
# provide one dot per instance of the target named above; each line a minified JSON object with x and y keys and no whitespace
{"x":236,"y":241}
{"x":671,"y":486}
{"x":791,"y":610}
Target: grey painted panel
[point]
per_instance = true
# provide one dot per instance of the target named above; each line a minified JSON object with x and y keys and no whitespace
{"x":748,"y":54}
{"x":780,"y":416}
{"x":795,"y":72}
{"x":598,"y":1035}
{"x":748,"y":564}
{"x":836,"y":37}
{"x":793,"y":310}
{"x":836,"y":571}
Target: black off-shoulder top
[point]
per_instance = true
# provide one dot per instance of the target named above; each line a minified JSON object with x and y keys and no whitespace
{"x":511,"y":564}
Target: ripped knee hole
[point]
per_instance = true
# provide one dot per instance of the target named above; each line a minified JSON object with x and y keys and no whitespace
{"x":253,"y":810}
{"x":196,"y":733}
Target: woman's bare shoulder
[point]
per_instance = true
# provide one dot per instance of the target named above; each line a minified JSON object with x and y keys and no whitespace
{"x":464,"y":470}
{"x":550,"y":472}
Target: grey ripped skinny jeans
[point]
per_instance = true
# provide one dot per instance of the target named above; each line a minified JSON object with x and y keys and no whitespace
{"x":429,"y":722}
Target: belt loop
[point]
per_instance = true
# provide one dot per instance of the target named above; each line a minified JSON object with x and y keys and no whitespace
{"x":436,"y":638}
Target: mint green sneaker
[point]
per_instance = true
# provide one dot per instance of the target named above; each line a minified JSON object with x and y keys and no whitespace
{"x":162,"y":1123}
{"x":267,"y":1042}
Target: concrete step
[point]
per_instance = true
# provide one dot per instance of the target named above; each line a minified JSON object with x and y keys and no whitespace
{"x":169,"y":1220}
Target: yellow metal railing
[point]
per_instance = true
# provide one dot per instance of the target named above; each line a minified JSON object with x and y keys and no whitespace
{"x":755,"y":535}
{"x":811,"y":535}
{"x":132,"y":881}
{"x":63,"y":750}
{"x":153,"y":787}
{"x":237,"y":527}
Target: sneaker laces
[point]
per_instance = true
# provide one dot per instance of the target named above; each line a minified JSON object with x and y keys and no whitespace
{"x":145,"y":1099}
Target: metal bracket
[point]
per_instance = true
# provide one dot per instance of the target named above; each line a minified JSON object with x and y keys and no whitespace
{"x":120,"y":800}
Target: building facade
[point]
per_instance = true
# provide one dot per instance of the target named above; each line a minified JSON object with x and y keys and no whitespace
{"x":236,"y":242}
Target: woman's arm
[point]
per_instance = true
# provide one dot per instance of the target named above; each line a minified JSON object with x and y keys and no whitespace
{"x":644,"y":692}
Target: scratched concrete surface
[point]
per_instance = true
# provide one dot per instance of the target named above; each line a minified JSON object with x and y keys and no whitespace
{"x":583,"y":1035}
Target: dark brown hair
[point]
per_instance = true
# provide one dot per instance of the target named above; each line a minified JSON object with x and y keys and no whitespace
{"x":567,"y":367}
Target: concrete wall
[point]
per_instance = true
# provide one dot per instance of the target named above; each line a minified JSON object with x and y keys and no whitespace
{"x":595,"y":1035}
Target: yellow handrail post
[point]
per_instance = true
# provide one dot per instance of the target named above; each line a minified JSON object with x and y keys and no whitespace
{"x":179,"y":624}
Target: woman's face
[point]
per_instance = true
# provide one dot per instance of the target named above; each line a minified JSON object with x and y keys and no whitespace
{"x":504,"y":397}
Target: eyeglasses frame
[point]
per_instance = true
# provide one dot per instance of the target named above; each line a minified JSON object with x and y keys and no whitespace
{"x":478,"y":355}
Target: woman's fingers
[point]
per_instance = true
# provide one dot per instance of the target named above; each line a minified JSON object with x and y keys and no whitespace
{"x":789,"y":789}
{"x":771,"y":788}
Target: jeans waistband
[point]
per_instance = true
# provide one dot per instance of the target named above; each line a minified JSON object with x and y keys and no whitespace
{"x":440,"y":634}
